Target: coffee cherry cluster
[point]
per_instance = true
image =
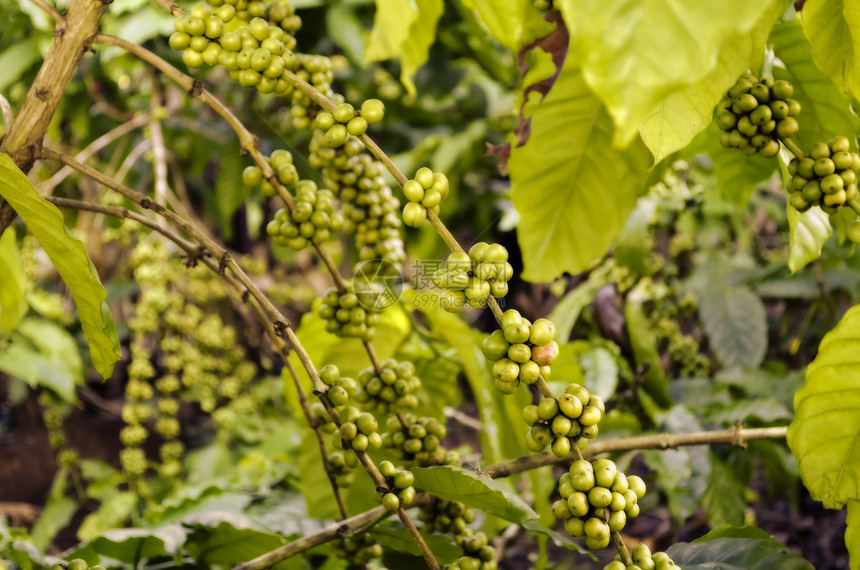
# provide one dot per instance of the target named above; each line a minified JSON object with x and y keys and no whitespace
{"x":322,"y":418}
{"x":425,"y":191}
{"x":346,"y":317}
{"x":757,"y":115}
{"x":826,"y":178}
{"x":312,"y":220}
{"x":399,"y":490}
{"x":392,"y":390}
{"x":644,"y":560}
{"x":316,"y":70}
{"x":477,"y":553}
{"x":343,"y":468}
{"x":341,"y":388}
{"x":520,"y":351}
{"x":279,"y":14}
{"x":590,"y":491}
{"x":370,"y":209}
{"x":344,"y":121}
{"x":418,"y":441}
{"x":357,"y":431}
{"x":444,"y":516}
{"x":562,"y":423}
{"x":471,"y":278}
{"x":281,"y":162}
{"x":255,"y":54}
{"x":357,"y":550}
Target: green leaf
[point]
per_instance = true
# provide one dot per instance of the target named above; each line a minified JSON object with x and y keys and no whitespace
{"x":403,"y":29}
{"x":502,"y":433}
{"x":572,"y":189}
{"x":112,"y":513}
{"x":69,"y":256}
{"x":636,"y":54}
{"x":635,"y":242}
{"x":132,"y":545}
{"x":226,"y":545}
{"x":826,"y":111}
{"x":736,"y":324}
{"x":400,"y":540}
{"x":230,"y":191}
{"x":56,"y":344}
{"x":852,"y":534}
{"x":724,"y":498}
{"x":825,"y":433}
{"x":17,"y":59}
{"x":13,"y":286}
{"x":644,"y":343}
{"x":808,"y":231}
{"x":833,"y":29}
{"x":559,"y":539}
{"x":600,"y":371}
{"x":736,"y":553}
{"x":737,"y":174}
{"x":566,"y":312}
{"x":477,"y":491}
{"x":678,"y":118}
{"x":345,"y":29}
{"x":56,"y":514}
{"x":21,"y":360}
{"x":515,"y":23}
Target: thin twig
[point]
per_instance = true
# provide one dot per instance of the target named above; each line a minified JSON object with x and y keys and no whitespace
{"x":94,"y":147}
{"x":59,"y":20}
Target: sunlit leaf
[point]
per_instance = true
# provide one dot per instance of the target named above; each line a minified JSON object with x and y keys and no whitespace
{"x":677,"y":119}
{"x":572,"y":189}
{"x":825,"y":433}
{"x":825,"y":110}
{"x":13,"y":288}
{"x":634,"y":54}
{"x":477,"y":491}
{"x":513,"y":22}
{"x":69,"y":256}
{"x":809,"y":231}
{"x":403,"y":29}
{"x":833,"y":29}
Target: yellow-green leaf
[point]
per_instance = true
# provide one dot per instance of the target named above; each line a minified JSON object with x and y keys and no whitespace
{"x":676,"y":120}
{"x":403,"y":29}
{"x":825,"y":433}
{"x":636,"y":53}
{"x":69,"y":256}
{"x":833,"y":29}
{"x":852,"y":535}
{"x":573,"y":190}
{"x":514,"y":23}
{"x":808,"y":232}
{"x":13,"y":287}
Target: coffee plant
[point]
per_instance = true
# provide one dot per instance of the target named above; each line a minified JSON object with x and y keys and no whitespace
{"x":461,"y":285}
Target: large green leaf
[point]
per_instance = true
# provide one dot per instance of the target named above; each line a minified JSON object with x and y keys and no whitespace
{"x":735,"y":322}
{"x":852,"y":534}
{"x":833,"y":29}
{"x":572,"y":189}
{"x":13,"y":286}
{"x":635,"y":54}
{"x":513,"y":22}
{"x":644,"y":342}
{"x":133,"y":545}
{"x":737,"y":174}
{"x":503,"y":432}
{"x":808,"y":231}
{"x":724,"y":498}
{"x":22,"y":360}
{"x":825,"y":433}
{"x":69,"y":256}
{"x":825,"y":110}
{"x":400,"y":540}
{"x":477,"y":491}
{"x":566,"y":312}
{"x":736,"y":549}
{"x":111,"y":514}
{"x":680,"y":116}
{"x":226,"y":545}
{"x":403,"y":29}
